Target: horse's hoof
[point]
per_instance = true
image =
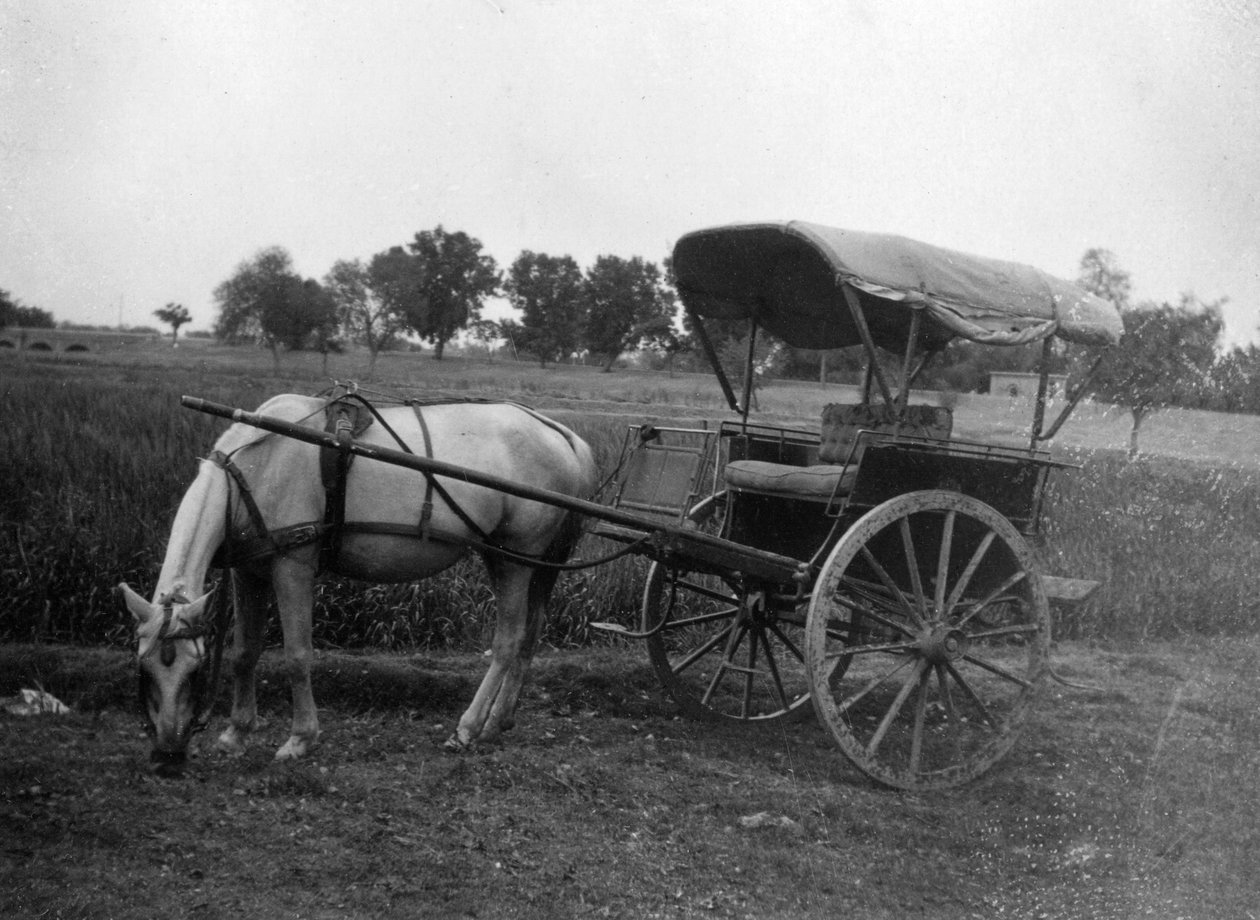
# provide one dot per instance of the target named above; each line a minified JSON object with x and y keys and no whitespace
{"x":231,"y":744}
{"x":294,"y":749}
{"x":456,"y":745}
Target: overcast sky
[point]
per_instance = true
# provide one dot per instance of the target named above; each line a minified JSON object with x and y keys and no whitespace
{"x":149,"y":147}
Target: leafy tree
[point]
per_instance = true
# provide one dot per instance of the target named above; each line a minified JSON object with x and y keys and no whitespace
{"x":455,"y":280}
{"x":8,"y":309}
{"x":310,"y":319}
{"x":15,"y":313}
{"x":1164,"y":359}
{"x":1234,"y":382}
{"x":174,"y":315}
{"x":365,"y":311}
{"x":1101,"y":274}
{"x":266,"y":301}
{"x":548,"y":291}
{"x":626,"y":300}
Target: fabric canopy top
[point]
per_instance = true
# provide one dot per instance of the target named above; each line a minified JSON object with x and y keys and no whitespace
{"x":789,"y":276}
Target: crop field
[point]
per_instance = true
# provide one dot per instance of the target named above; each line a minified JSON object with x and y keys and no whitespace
{"x":1137,"y":797}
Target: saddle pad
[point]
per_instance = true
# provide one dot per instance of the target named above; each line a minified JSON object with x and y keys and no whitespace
{"x":806,"y":481}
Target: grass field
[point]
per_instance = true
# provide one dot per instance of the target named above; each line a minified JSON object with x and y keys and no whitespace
{"x":1139,"y":797}
{"x":104,"y":452}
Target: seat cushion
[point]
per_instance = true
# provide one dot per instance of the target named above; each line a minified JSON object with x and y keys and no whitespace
{"x":804,"y":481}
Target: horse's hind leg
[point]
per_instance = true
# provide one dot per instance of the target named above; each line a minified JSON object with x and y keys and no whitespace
{"x":492,"y":708}
{"x":293,"y":578}
{"x":250,"y":597}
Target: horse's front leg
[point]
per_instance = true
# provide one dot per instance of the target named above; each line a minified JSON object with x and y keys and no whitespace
{"x":293,"y":578}
{"x":250,"y":600}
{"x":493,"y":707}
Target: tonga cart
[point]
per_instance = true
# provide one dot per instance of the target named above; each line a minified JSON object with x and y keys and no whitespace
{"x":916,"y":624}
{"x":876,"y":571}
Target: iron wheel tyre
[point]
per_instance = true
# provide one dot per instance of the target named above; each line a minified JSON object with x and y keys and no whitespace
{"x":927,"y":640}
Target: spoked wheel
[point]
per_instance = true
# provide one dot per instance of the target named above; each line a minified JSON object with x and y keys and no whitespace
{"x":927,"y":639}
{"x":724,"y":651}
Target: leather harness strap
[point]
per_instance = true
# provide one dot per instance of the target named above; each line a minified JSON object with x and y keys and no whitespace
{"x":346,"y":422}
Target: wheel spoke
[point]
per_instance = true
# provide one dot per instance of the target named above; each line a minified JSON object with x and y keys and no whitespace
{"x":849,"y":701}
{"x":850,"y":651}
{"x":947,"y":698}
{"x":972,"y":695}
{"x":788,"y":643}
{"x":1017,"y":629}
{"x":735,"y":637}
{"x":891,"y":585}
{"x":701,"y":650}
{"x":998,"y":670}
{"x":942,"y":560}
{"x":912,"y":566}
{"x":965,"y":578}
{"x":701,"y":590}
{"x":754,"y":638}
{"x":898,"y":625}
{"x":993,"y":596}
{"x":920,"y":711}
{"x":895,"y":708}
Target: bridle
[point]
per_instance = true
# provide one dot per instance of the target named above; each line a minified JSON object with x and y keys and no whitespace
{"x":204,"y":692}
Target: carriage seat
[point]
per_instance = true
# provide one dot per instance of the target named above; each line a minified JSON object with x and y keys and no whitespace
{"x":838,"y":451}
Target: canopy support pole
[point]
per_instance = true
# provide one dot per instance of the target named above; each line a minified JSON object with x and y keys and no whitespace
{"x":859,"y":320}
{"x":912,"y":344}
{"x":1073,"y":399}
{"x":749,"y":369}
{"x":697,"y":325}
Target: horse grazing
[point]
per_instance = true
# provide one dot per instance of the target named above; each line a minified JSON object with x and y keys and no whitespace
{"x":264,"y":501}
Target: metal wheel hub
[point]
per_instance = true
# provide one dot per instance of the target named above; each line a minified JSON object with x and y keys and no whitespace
{"x":941,"y":644}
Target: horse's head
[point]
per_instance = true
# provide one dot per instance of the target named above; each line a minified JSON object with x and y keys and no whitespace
{"x":173,"y":683}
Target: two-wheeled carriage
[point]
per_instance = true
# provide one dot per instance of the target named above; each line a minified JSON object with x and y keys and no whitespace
{"x":876,"y":570}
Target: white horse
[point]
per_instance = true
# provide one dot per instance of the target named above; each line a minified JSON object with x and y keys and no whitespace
{"x":398,"y":528}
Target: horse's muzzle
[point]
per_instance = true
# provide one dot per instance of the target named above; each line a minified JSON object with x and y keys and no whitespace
{"x":168,"y":764}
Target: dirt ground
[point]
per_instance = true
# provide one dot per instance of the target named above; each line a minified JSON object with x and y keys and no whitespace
{"x":1140,"y":798}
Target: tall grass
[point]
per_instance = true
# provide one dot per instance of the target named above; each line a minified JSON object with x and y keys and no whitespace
{"x":94,"y":461}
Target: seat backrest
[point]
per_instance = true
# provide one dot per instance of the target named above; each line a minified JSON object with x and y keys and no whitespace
{"x":663,"y":471}
{"x":842,"y":422}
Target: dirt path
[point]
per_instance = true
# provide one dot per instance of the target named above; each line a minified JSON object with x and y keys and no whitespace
{"x":1138,"y":799}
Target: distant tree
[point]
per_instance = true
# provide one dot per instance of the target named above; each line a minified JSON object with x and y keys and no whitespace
{"x":8,"y":309}
{"x":1164,"y":359}
{"x":312,"y":320}
{"x":487,"y":332}
{"x":366,"y":313}
{"x":257,"y":288}
{"x":1101,"y":274}
{"x":455,"y":280}
{"x":1234,"y":381}
{"x":266,"y":301}
{"x":15,"y":313}
{"x":174,"y":315}
{"x":626,"y":301}
{"x":548,"y":291}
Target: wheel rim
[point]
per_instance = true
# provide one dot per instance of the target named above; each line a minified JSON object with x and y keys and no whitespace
{"x":727,"y":651}
{"x":927,"y":640}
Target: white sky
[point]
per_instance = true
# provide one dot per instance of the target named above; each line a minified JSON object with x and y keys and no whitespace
{"x":149,"y":147}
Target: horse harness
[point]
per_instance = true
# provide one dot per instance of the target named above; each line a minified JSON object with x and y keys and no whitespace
{"x":346,"y":417}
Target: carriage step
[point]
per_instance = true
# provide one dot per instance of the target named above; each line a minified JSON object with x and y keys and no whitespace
{"x":1068,"y":591}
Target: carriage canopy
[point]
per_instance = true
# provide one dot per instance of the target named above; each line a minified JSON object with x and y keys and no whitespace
{"x":790,"y":278}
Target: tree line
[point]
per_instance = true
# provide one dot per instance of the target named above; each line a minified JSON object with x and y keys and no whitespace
{"x":435,"y":287}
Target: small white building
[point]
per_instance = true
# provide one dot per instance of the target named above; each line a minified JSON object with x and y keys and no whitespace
{"x":1024,"y":386}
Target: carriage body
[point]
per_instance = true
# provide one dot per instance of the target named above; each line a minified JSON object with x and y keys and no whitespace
{"x":876,"y":570}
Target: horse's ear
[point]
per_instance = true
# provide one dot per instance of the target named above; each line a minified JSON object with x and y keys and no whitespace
{"x":196,"y":610}
{"x":141,"y":610}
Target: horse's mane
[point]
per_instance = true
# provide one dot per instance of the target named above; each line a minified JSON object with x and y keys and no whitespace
{"x":288,"y":406}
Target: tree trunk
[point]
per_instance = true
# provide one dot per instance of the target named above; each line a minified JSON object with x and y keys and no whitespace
{"x":1138,"y":416}
{"x":822,"y":368}
{"x":607,"y":364}
{"x":438,"y":347}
